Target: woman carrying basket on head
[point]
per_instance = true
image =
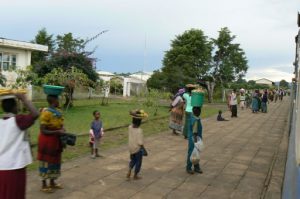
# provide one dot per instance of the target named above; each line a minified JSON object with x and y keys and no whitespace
{"x":50,"y":146}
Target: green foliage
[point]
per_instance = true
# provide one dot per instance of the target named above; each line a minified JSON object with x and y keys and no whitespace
{"x":26,"y":77}
{"x":153,"y":98}
{"x":229,"y":60}
{"x":158,"y":80}
{"x":188,"y":58}
{"x":2,"y":80}
{"x":66,"y":61}
{"x":284,"y":84}
{"x":42,"y":38}
{"x":69,"y":44}
{"x":61,"y":77}
{"x":194,"y":57}
{"x":70,"y":52}
{"x":69,"y":79}
{"x":116,"y":86}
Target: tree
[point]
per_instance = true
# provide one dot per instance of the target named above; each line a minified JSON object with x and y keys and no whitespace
{"x":70,"y":52}
{"x":2,"y":79}
{"x":26,"y":77}
{"x":66,"y":43}
{"x":158,"y":80}
{"x":69,"y":79}
{"x":186,"y":61}
{"x":42,"y":38}
{"x":284,"y":84}
{"x":229,"y":61}
{"x":66,"y":61}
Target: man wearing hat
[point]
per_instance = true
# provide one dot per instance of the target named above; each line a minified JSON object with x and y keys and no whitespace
{"x":15,"y":152}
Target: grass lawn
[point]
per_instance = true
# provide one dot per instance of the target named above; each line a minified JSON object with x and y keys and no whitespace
{"x":116,"y":113}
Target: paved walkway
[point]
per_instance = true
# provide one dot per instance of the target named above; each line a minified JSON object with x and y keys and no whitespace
{"x":244,"y":158}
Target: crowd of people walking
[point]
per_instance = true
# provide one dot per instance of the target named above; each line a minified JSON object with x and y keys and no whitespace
{"x":185,"y":118}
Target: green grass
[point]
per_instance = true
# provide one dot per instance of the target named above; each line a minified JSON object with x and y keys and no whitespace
{"x":116,"y":113}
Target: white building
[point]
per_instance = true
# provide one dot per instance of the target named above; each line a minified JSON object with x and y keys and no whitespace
{"x":105,"y":76}
{"x":144,"y":76}
{"x":16,"y":55}
{"x":265,"y":81}
{"x":134,"y":83}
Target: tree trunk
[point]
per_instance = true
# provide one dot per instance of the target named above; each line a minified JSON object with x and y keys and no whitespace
{"x":210,"y":90}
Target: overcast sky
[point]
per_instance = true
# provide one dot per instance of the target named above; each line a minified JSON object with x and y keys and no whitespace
{"x":265,"y":28}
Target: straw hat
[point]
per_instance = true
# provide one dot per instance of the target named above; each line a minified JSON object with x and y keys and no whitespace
{"x":138,"y":113}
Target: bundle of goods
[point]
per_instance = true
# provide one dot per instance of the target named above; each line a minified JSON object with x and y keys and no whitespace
{"x":9,"y":93}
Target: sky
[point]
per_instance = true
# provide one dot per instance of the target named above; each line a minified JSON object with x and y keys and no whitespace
{"x":140,"y":31}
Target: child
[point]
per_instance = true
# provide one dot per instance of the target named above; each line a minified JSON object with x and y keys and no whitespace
{"x":96,"y":132}
{"x":194,"y":131}
{"x":220,"y":118}
{"x":136,"y":143}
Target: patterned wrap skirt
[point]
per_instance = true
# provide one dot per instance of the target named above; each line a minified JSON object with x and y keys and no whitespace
{"x":49,"y":155}
{"x":176,"y":118}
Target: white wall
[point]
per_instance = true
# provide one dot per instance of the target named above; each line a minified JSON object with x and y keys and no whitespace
{"x":23,"y":56}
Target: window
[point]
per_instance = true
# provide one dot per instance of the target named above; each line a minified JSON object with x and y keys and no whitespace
{"x":8,"y":61}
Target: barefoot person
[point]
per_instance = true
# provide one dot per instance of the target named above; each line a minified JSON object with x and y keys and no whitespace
{"x":15,"y":153}
{"x":136,"y":143}
{"x":49,"y":144}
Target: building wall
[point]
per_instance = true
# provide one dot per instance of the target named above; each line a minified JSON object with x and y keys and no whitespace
{"x":23,"y":56}
{"x":23,"y":60}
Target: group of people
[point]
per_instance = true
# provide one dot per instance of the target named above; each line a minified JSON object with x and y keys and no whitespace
{"x":15,"y":149}
{"x":258,"y":100}
{"x":181,"y":108}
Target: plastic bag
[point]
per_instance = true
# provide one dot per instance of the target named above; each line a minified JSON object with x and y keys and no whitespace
{"x":199,"y":144}
{"x":195,"y":156}
{"x":198,"y":147}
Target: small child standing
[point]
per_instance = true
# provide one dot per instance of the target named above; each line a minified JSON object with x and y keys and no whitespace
{"x":96,"y":133}
{"x":136,"y":143}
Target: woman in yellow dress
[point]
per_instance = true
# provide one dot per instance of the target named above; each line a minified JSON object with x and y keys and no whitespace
{"x":49,"y":145}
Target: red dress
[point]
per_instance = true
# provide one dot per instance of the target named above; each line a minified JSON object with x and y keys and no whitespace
{"x":49,"y":145}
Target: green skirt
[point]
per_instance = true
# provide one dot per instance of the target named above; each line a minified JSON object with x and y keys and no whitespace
{"x":188,"y":116}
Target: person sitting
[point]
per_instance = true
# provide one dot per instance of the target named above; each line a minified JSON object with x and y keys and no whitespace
{"x":220,"y":118}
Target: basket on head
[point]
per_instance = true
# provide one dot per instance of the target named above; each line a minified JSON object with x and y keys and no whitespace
{"x":53,"y":90}
{"x":197,"y":97}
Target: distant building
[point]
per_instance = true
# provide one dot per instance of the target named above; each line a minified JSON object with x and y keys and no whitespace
{"x":144,"y":76}
{"x":16,"y":55}
{"x":265,"y":81}
{"x":132,"y":84}
{"x":105,"y":76}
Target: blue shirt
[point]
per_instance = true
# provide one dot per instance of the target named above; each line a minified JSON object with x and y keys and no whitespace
{"x":96,"y":126}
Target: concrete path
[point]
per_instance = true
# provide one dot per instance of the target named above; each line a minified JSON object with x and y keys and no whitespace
{"x":244,"y":158}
